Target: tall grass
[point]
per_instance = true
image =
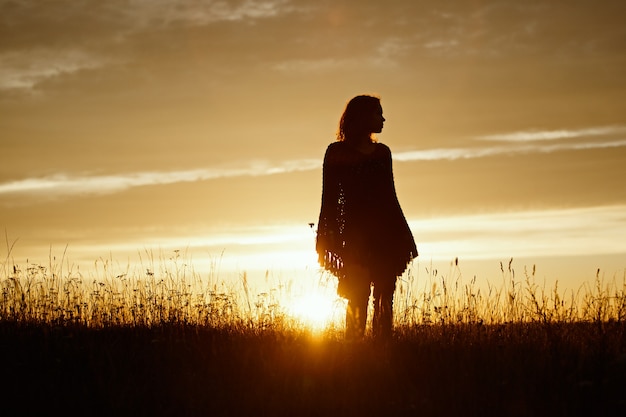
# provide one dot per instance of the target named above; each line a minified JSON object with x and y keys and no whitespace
{"x":449,"y":299}
{"x":162,"y":340}
{"x":168,"y":290}
{"x":156,"y":292}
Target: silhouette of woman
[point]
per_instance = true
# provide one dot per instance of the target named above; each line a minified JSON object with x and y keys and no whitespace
{"x":362,"y":236}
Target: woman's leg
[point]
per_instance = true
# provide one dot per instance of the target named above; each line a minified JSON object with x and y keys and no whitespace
{"x":356,"y":312}
{"x":356,"y":318}
{"x":383,"y":307}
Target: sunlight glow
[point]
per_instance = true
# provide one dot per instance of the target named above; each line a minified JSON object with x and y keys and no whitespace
{"x":317,"y":311}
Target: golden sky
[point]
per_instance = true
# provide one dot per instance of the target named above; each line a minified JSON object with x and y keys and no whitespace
{"x":153,"y":124}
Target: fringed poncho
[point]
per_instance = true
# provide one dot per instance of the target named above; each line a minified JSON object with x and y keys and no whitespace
{"x":361,"y":222}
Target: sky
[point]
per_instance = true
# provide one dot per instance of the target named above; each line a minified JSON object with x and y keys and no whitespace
{"x":138,"y":128}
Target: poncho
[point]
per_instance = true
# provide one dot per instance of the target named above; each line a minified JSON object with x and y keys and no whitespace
{"x":361,"y":221}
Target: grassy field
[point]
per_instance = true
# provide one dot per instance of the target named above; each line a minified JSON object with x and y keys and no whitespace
{"x":163,"y":342}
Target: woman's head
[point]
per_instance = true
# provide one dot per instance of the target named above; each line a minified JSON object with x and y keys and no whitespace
{"x":362,"y":117}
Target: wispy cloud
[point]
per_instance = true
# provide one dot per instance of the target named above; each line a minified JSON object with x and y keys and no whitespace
{"x":471,"y":153}
{"x":558,"y":232}
{"x":68,"y":36}
{"x":204,"y":11}
{"x":386,"y":53}
{"x":441,"y":44}
{"x":63,"y":184}
{"x":106,"y":184}
{"x":23,"y":70}
{"x":538,"y":135}
{"x":311,"y":65}
{"x":524,"y":142}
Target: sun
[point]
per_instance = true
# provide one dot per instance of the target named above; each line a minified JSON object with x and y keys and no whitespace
{"x":317,"y":310}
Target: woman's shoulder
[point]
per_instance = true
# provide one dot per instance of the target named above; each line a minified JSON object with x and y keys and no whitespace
{"x":382,"y":148}
{"x":341,"y":145}
{"x":336,"y":148}
{"x":343,"y":149}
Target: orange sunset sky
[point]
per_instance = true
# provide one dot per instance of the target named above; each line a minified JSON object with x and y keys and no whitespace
{"x":200,"y":126}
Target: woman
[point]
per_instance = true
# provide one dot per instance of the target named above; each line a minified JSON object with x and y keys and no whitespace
{"x":362,"y":235}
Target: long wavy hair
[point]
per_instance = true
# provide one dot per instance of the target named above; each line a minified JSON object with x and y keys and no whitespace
{"x":355,"y":118}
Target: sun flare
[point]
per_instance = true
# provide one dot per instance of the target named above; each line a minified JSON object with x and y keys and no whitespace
{"x":317,"y":311}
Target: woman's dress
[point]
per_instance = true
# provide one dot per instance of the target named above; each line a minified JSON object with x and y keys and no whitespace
{"x":361,"y":223}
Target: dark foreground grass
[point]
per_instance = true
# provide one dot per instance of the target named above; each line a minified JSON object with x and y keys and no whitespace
{"x":527,"y":369}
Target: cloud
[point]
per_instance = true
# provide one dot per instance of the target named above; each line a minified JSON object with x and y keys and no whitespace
{"x":201,"y":12}
{"x":471,"y":153}
{"x":106,"y":184}
{"x":531,"y":136}
{"x":558,"y":232}
{"x":23,"y":70}
{"x":439,"y":44}
{"x":311,"y":65}
{"x":523,"y":142}
{"x":62,"y":38}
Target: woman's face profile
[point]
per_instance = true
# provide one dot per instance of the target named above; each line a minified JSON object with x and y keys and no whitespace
{"x":377,"y":120}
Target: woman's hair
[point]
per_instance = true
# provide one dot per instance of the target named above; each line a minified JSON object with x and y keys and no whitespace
{"x":355,"y":118}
